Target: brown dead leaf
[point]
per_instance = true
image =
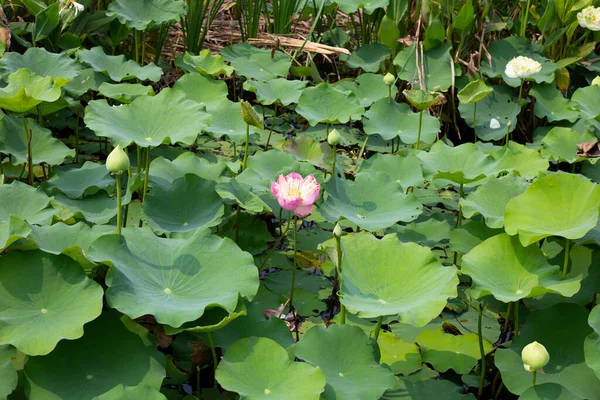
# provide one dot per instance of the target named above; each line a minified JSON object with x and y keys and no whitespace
{"x":588,"y":149}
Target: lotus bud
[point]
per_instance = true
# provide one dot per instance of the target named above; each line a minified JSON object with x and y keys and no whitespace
{"x":337,"y":231}
{"x":250,"y":116}
{"x":534,"y":356}
{"x":5,"y":37}
{"x":596,"y":81}
{"x":389,"y":79}
{"x":117,"y":161}
{"x":333,"y":138}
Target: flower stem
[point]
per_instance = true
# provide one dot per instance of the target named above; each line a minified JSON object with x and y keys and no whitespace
{"x":524,"y":26}
{"x":481,"y":352}
{"x":119,"y":208}
{"x":28,"y":135}
{"x":362,"y":149}
{"x":419,"y":133}
{"x":146,"y":174}
{"x":566,"y":263}
{"x":334,"y":149}
{"x":516,"y":319}
{"x":377,"y":327}
{"x":214,"y":355}
{"x":520,"y":95}
{"x":507,"y":318}
{"x":507,"y":135}
{"x":246,"y":147}
{"x":294,"y":265}
{"x":271,"y":128}
{"x":534,"y":378}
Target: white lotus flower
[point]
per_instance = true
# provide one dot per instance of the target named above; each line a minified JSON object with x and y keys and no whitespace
{"x":495,"y":124}
{"x":522,"y":67}
{"x":589,"y":18}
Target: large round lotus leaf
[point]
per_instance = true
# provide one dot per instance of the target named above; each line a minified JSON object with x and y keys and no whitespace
{"x":461,"y":164}
{"x":118,"y":68}
{"x":585,"y":99}
{"x":44,"y":147}
{"x":388,"y":277}
{"x":23,"y":201}
{"x":174,"y":279}
{"x":350,"y":6}
{"x":524,"y":272}
{"x":309,"y":150}
{"x":187,"y":204}
{"x":124,"y":92}
{"x":244,"y":196}
{"x":410,"y":388}
{"x":490,"y":199}
{"x":259,"y":368}
{"x":547,"y":391}
{"x":98,"y":208}
{"x":278,"y":90}
{"x":500,"y":105}
{"x":435,"y":63}
{"x":474,"y":92}
{"x":592,"y":342}
{"x":555,"y":205}
{"x":137,"y":392}
{"x":227,"y":121}
{"x":369,"y":57}
{"x":8,"y":374}
{"x":87,"y":80}
{"x":43,"y":299}
{"x":402,"y":357}
{"x":140,"y":14}
{"x":551,"y":104}
{"x":76,"y":182}
{"x":149,"y":120}
{"x":562,"y":329}
{"x":445,"y":351}
{"x":429,"y":232}
{"x":504,"y":50}
{"x":404,"y":170}
{"x":108,"y":355}
{"x":263,"y":66}
{"x":164,"y":172}
{"x":389,"y":119}
{"x":206,"y":63}
{"x":26,"y":90}
{"x":352,"y":375}
{"x":525,"y":162}
{"x":372,"y":202}
{"x":368,"y":88}
{"x":41,"y":62}
{"x":560,"y":144}
{"x":203,"y":89}
{"x":326,"y":103}
{"x":470,"y":234}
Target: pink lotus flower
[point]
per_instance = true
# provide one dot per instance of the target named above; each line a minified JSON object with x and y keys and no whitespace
{"x":295,"y":193}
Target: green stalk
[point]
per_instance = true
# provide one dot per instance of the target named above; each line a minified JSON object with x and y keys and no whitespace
{"x":119,"y":207}
{"x":516,"y":319}
{"x":507,"y":134}
{"x":143,"y":43}
{"x":566,"y":262}
{"x":507,"y":319}
{"x":77,"y":138}
{"x":520,"y":94}
{"x":378,"y":327}
{"x":481,"y":352}
{"x":362,"y":149}
{"x":139,"y":160}
{"x":214,"y":355}
{"x":246,"y":147}
{"x":334,"y":148}
{"x":475,"y":122}
{"x":524,"y":26}
{"x":338,"y":272}
{"x":28,"y":135}
{"x":271,"y":129}
{"x":534,"y":378}
{"x":146,"y":173}
{"x":294,"y":266}
{"x":419,"y":134}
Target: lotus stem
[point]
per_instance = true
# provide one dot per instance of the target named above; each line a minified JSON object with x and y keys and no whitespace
{"x":28,"y":135}
{"x":516,"y":319}
{"x":474,"y":122}
{"x":534,"y":378}
{"x":338,"y":272}
{"x":524,"y":26}
{"x":419,"y":132}
{"x":507,"y":318}
{"x":481,"y":352}
{"x":146,"y":173}
{"x":566,"y":263}
{"x":362,"y":149}
{"x":214,"y":355}
{"x":143,"y":43}
{"x":77,"y":137}
{"x":119,"y":208}
{"x":294,"y":265}
{"x":246,"y":147}
{"x":139,"y":159}
{"x":378,"y":327}
{"x":507,"y":135}
{"x":271,"y":128}
{"x":520,"y":95}
{"x":334,"y":149}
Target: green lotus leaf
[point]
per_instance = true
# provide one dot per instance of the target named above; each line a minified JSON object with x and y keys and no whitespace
{"x":436,"y":65}
{"x":547,"y":391}
{"x":206,"y":63}
{"x":470,"y":234}
{"x":98,"y":208}
{"x":44,"y":147}
{"x":592,"y":342}
{"x":187,"y":204}
{"x":555,"y":205}
{"x":368,"y":88}
{"x":44,"y":299}
{"x":350,"y":6}
{"x":77,"y":182}
{"x":12,"y":229}
{"x":413,"y":389}
{"x":325,"y":103}
{"x":462,"y":164}
{"x":118,"y":68}
{"x":406,"y":171}
{"x":259,"y":368}
{"x":238,"y":50}
{"x":213,"y":319}
{"x":560,"y":144}
{"x":140,"y":14}
{"x":428,"y":233}
{"x":227,"y":121}
{"x":372,"y":202}
{"x":108,"y":356}
{"x":474,"y":92}
{"x":421,"y":99}
{"x":124,"y":92}
{"x":550,"y":104}
{"x":445,"y":351}
{"x":504,"y":50}
{"x":369,"y":57}
{"x":350,"y":375}
{"x":243,"y":195}
{"x":23,"y":201}
{"x":280,"y":90}
{"x":390,"y":119}
{"x":164,"y":172}
{"x":415,"y":286}
{"x":562,"y":329}
{"x":25,"y":90}
{"x":203,"y":89}
{"x":40,"y":62}
{"x":402,"y":357}
{"x":309,"y":150}
{"x":468,"y":321}
{"x":490,"y":199}
{"x":524,"y":273}
{"x":174,"y":279}
{"x":148,"y":120}
{"x":138,"y":392}
{"x":586,"y":101}
{"x":525,"y":162}
{"x":263,"y":66}
{"x":8,"y":374}
{"x":87,"y":80}
{"x":306,"y":291}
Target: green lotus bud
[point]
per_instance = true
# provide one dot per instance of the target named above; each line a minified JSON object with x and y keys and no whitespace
{"x":534,"y":356}
{"x":389,"y":79}
{"x":117,"y":161}
{"x":250,"y":116}
{"x":596,"y":81}
{"x":337,"y":231}
{"x":333,"y":138}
